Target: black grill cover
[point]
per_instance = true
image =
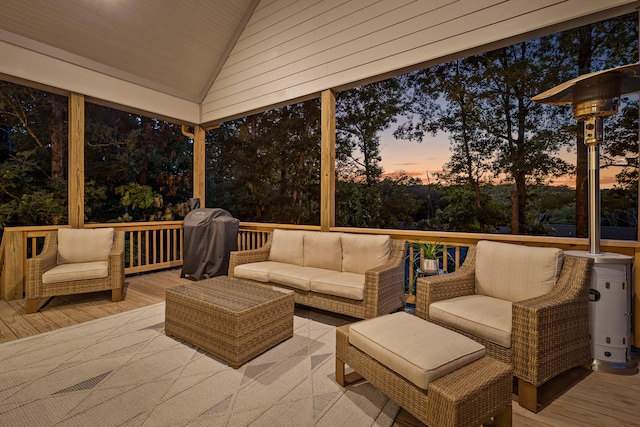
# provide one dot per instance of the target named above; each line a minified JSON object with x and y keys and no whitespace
{"x":210,"y":234}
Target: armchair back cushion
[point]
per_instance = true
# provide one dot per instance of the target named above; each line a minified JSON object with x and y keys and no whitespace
{"x":287,"y":246}
{"x":362,"y":252}
{"x":84,"y":245}
{"x":515,"y":272}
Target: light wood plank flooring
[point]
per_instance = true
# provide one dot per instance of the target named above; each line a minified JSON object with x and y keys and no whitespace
{"x":597,"y":399}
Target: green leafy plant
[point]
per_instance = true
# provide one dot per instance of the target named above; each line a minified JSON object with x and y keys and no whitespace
{"x":430,"y":250}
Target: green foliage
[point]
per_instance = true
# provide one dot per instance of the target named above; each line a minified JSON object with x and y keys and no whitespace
{"x":32,"y":190}
{"x":430,"y":250}
{"x":138,"y":196}
{"x":266,"y":167}
{"x":460,"y":211}
{"x":152,"y":154}
{"x":620,"y":206}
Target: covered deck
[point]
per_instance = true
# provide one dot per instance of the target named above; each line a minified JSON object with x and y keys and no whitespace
{"x":596,"y":399}
{"x":234,"y":82}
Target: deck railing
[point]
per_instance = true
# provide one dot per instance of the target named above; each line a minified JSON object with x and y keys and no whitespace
{"x":152,"y":246}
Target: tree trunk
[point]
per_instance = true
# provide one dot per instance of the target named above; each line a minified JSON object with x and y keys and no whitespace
{"x":521,"y":186}
{"x":478,"y":194}
{"x":585,"y":52}
{"x":515,"y":225}
{"x":582,"y":187}
{"x":58,"y":140}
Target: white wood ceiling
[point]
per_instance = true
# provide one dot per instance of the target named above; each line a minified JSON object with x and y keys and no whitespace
{"x":172,"y":46}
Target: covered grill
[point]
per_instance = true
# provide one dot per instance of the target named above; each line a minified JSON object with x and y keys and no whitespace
{"x":210,"y":234}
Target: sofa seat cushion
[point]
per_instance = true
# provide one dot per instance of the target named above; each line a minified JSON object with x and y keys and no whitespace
{"x":479,"y":315}
{"x":77,"y":271}
{"x":516,"y":272}
{"x":418,"y":350}
{"x":295,"y":276}
{"x":258,"y":271}
{"x":346,"y":285}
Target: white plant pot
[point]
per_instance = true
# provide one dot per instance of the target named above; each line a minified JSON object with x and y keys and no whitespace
{"x":429,"y":266}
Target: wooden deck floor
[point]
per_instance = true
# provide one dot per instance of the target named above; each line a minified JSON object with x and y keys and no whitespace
{"x":597,"y":399}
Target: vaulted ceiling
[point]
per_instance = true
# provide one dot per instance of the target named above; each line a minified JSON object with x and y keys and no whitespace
{"x":207,"y":61}
{"x":172,"y":46}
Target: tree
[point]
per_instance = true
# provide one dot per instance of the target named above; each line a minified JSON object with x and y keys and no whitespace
{"x":527,"y":139}
{"x":621,"y":142}
{"x":266,"y":167}
{"x":33,"y":144}
{"x":484,"y":104}
{"x":362,"y":114}
{"x":141,"y":154}
{"x":460,"y":211}
{"x":444,"y":100}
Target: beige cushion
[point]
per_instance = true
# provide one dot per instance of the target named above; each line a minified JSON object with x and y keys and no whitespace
{"x":418,"y":350}
{"x":516,"y":272}
{"x":345,"y":284}
{"x":78,"y":271}
{"x":480,"y":315}
{"x":296,"y":276}
{"x":361,"y":252}
{"x":84,"y":245}
{"x":287,"y":246}
{"x":258,"y":271}
{"x":323,"y":250}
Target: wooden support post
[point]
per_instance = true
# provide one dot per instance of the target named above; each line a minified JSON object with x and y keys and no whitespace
{"x":199,"y":165}
{"x":328,"y":162}
{"x":76,"y":161}
{"x":635,"y":303}
{"x":199,"y":160}
{"x":12,"y":279}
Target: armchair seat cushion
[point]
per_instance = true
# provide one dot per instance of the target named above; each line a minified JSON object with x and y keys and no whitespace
{"x":76,"y":271}
{"x":417,"y":350}
{"x":479,"y":315}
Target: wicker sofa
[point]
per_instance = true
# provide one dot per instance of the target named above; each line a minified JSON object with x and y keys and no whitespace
{"x":354,"y":274}
{"x":528,"y":306}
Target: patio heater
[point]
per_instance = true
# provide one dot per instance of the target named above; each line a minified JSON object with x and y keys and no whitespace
{"x":593,"y":97}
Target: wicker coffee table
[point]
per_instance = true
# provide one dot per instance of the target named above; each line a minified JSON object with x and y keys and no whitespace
{"x":230,"y":318}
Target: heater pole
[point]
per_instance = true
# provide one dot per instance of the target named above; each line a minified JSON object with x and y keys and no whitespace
{"x":593,"y":137}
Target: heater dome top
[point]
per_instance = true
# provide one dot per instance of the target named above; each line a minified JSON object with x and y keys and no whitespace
{"x":610,"y":83}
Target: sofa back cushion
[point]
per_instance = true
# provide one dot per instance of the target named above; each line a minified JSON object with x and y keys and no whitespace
{"x":287,"y":246}
{"x":323,"y":250}
{"x":84,"y":244}
{"x":362,"y":252}
{"x":516,"y":272}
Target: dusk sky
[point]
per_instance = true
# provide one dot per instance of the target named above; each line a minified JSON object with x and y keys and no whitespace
{"x":415,"y":159}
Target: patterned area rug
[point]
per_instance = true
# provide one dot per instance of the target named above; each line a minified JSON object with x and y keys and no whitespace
{"x":123,"y":370}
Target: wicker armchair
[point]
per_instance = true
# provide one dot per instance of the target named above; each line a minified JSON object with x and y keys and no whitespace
{"x":549,"y":332}
{"x":91,"y":260}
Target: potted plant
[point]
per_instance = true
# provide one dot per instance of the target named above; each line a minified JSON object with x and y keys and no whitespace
{"x":431,"y":253}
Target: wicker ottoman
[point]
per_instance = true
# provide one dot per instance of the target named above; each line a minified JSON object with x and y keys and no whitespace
{"x":451,"y":382}
{"x":229,"y":318}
